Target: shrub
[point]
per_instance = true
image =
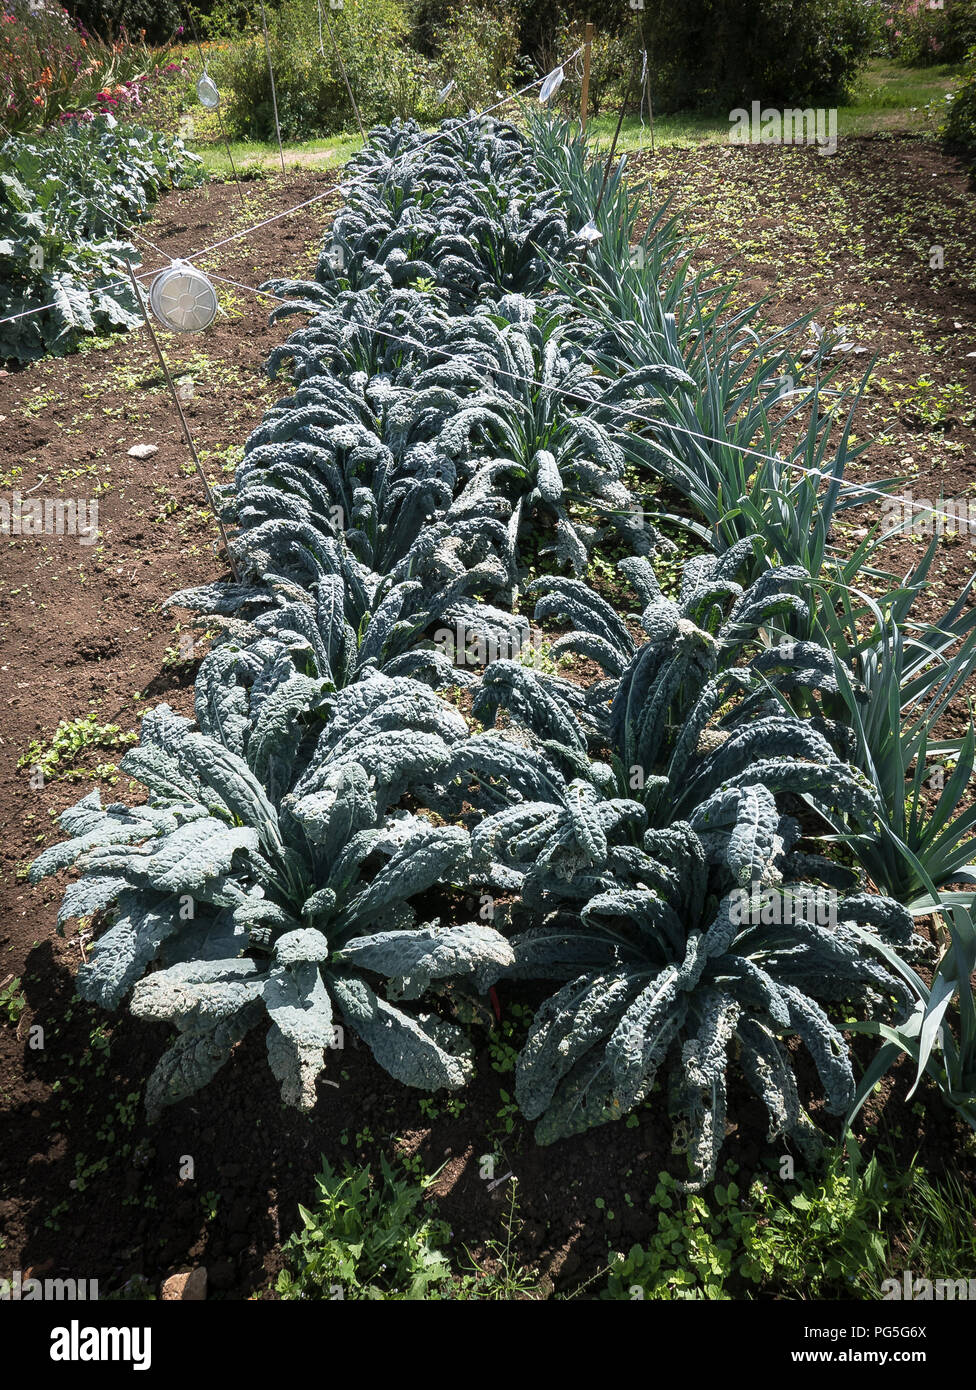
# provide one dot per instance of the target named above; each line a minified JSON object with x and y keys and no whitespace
{"x":477,"y":48}
{"x":157,"y":20}
{"x":428,"y":19}
{"x":538,"y":26}
{"x":960,"y":126}
{"x":311,"y":94}
{"x":389,"y":77}
{"x":919,"y":34}
{"x":716,"y":54}
{"x":542,"y":23}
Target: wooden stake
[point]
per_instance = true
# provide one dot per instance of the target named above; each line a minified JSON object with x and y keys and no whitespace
{"x":587,"y":52}
{"x":650,"y":98}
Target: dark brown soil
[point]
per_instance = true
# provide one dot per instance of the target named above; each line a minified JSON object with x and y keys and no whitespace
{"x":87,"y":1189}
{"x":850,"y":240}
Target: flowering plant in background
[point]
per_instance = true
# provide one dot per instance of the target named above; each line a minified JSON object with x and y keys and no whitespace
{"x":920,"y":33}
{"x":51,"y":68}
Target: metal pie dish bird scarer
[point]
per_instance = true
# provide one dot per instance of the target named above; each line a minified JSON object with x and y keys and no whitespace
{"x":183,"y":299}
{"x":207,"y":93}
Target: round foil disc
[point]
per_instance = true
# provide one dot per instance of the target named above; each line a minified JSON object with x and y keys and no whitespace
{"x":207,"y":91}
{"x":183,"y":299}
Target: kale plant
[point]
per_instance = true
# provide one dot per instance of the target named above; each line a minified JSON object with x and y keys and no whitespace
{"x":276,"y":834}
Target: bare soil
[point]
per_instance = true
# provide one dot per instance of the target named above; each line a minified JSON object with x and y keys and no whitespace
{"x":87,"y":1188}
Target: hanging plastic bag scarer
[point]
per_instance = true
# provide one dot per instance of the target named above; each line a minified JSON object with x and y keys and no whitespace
{"x":445,"y":92}
{"x":590,"y":233}
{"x":552,"y":84}
{"x":183,"y":299}
{"x":207,"y":93}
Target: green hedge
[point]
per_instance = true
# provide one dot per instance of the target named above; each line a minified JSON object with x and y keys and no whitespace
{"x":960,"y":126}
{"x":475,"y":46}
{"x":720,"y":54}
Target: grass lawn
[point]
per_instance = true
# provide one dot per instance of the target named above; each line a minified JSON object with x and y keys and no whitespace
{"x":255,"y":158}
{"x":889,"y":97}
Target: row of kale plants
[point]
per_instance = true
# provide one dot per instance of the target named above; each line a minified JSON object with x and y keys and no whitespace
{"x":482,"y":384}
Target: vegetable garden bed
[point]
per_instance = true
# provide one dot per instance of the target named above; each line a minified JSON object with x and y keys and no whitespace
{"x":605,"y":1163}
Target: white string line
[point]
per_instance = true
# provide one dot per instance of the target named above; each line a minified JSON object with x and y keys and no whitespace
{"x":130,"y":231}
{"x":513,"y":96}
{"x":862,"y":490}
{"x":429,"y":140}
{"x":190,"y":256}
{"x":834,"y":583}
{"x":264,"y":294}
{"x":236,"y":236}
{"x":96,"y":289}
{"x":298,"y":207}
{"x":437,"y":135}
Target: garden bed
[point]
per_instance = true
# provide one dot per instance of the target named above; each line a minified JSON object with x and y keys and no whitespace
{"x":82,"y":631}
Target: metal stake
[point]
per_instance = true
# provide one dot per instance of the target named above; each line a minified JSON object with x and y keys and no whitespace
{"x":220,"y":119}
{"x":183,"y":421}
{"x":650,"y":99}
{"x":274,"y":95}
{"x":342,"y":65}
{"x":613,"y":146}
